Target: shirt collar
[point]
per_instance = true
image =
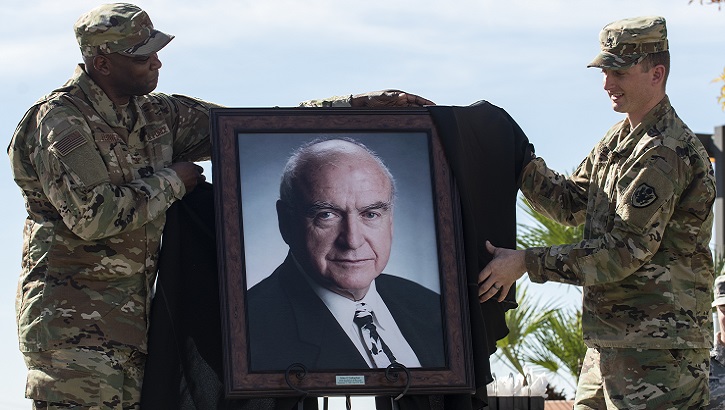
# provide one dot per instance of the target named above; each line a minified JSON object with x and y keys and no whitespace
{"x":343,"y":308}
{"x":109,"y":112}
{"x":630,"y":137}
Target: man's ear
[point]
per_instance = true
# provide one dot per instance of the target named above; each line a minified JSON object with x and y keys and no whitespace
{"x":658,"y":74}
{"x":101,"y":64}
{"x":284,"y":220}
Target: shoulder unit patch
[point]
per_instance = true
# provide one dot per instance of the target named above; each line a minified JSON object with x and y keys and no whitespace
{"x":643,"y":196}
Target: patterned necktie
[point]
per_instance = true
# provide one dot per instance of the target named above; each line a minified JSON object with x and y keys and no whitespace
{"x":377,"y":349}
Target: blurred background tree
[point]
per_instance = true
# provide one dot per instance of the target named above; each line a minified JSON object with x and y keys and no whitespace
{"x":560,"y":347}
{"x":523,"y":322}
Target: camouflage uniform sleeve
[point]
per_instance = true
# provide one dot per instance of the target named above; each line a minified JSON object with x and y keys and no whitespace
{"x":336,"y":101}
{"x":75,"y":179}
{"x":191,"y":127}
{"x":554,"y":195}
{"x":645,"y":198}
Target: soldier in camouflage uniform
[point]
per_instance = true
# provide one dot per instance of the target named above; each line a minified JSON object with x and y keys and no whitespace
{"x":717,"y":354}
{"x":99,"y":161}
{"x":645,"y":196}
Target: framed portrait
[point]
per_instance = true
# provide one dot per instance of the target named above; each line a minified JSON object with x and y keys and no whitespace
{"x":297,"y":188}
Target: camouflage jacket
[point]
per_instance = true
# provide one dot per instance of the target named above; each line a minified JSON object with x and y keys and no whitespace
{"x":96,"y":188}
{"x":717,"y":377}
{"x":645,"y":196}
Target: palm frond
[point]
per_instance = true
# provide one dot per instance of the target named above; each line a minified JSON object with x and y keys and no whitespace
{"x":543,"y":336}
{"x":560,"y":346}
{"x":523,"y":322}
{"x":545,"y":232}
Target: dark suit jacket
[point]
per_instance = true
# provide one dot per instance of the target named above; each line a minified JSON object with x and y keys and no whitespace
{"x":289,"y":323}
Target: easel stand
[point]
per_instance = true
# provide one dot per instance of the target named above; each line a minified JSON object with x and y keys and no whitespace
{"x":298,"y":372}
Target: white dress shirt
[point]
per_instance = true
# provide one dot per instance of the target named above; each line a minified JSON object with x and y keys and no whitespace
{"x":344,"y":311}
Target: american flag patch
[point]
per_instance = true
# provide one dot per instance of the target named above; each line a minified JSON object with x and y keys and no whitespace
{"x":69,"y":143}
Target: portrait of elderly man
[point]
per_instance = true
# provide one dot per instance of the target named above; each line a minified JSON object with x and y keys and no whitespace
{"x":329,"y":305}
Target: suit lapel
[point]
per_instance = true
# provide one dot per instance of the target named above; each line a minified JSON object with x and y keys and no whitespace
{"x":326,"y":344}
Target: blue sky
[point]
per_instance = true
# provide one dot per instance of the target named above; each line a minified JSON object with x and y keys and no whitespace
{"x":526,"y":56}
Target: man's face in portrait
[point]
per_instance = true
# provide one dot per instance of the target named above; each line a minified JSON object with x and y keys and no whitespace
{"x":342,"y":229}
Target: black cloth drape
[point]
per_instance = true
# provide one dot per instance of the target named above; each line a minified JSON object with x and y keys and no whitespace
{"x":486,"y":150}
{"x":184,"y":369}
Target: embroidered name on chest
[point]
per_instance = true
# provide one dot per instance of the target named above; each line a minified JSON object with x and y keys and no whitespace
{"x":157,"y":133}
{"x":107,"y":137}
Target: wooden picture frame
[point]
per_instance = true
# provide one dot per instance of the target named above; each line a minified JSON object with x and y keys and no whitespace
{"x":250,"y":147}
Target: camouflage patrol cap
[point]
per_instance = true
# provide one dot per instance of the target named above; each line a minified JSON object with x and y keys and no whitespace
{"x":118,"y":28}
{"x":719,"y":291}
{"x":625,"y":43}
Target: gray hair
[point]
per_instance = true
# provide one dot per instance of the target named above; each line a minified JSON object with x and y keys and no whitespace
{"x":303,"y":155}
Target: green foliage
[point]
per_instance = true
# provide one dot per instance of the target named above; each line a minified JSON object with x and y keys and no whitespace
{"x":543,"y":335}
{"x":545,"y":232}
{"x":560,"y":344}
{"x":523,"y":323}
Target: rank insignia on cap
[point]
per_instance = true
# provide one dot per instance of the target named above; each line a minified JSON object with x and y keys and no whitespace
{"x":643,"y":196}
